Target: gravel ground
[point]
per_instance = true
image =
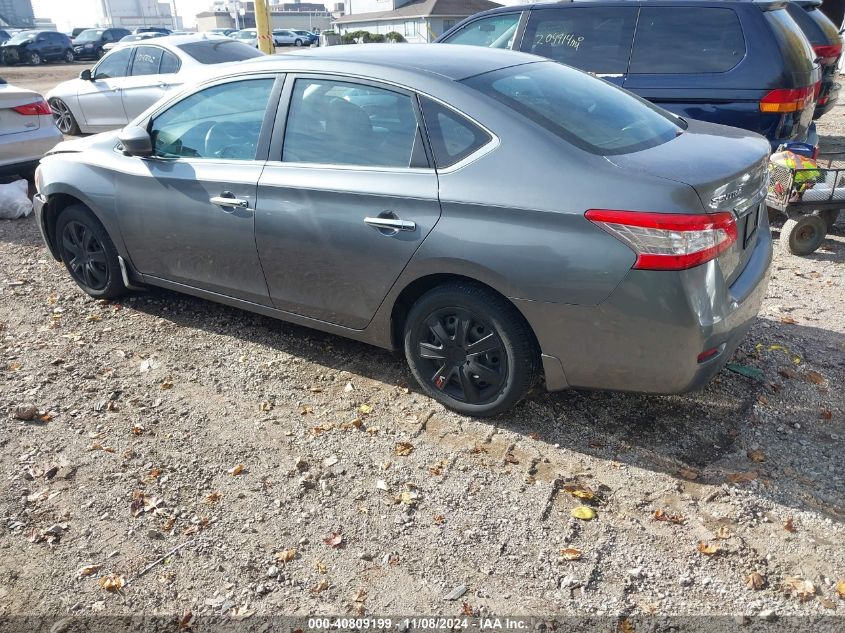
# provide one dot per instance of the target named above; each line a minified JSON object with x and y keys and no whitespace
{"x":303,"y":473}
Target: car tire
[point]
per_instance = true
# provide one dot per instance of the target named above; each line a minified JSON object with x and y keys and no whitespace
{"x":63,"y":117}
{"x":803,"y":235}
{"x":470,"y":349}
{"x":88,"y":253}
{"x":35,"y":58}
{"x":829,"y":216}
{"x":297,"y":43}
{"x":69,"y":57}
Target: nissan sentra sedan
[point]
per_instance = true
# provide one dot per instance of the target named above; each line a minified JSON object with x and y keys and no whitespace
{"x":495,"y":215}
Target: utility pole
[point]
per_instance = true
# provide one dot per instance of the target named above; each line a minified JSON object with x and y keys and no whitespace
{"x":262,"y":25}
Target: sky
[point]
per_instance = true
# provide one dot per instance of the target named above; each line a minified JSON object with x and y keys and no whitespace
{"x":69,"y":14}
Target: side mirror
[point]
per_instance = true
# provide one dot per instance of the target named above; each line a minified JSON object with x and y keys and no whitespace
{"x":136,"y":141}
{"x":85,"y":75}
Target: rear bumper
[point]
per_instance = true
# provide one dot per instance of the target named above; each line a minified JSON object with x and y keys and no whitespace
{"x":831,"y":95}
{"x":22,"y":151}
{"x":646,"y":337}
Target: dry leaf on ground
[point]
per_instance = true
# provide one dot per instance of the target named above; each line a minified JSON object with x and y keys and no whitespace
{"x":236,"y":470}
{"x":802,"y":589}
{"x":788,"y":525}
{"x":333,"y":540}
{"x":88,"y":570}
{"x":584,"y":513}
{"x":840,"y":589}
{"x":403,"y":449}
{"x":757,"y":456}
{"x":570,"y":553}
{"x":286,"y":555}
{"x":708,"y":550}
{"x":112,"y":582}
{"x":755,"y":581}
{"x":677,"y":519}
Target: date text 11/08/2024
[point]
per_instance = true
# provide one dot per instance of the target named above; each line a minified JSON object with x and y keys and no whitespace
{"x":431,"y":623}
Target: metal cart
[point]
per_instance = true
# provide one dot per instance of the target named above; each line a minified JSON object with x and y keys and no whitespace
{"x":809,"y":198}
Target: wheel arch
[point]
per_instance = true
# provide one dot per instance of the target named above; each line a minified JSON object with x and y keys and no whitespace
{"x":416,"y":288}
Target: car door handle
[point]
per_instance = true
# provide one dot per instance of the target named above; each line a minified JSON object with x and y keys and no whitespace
{"x":229,"y":201}
{"x":391,"y":224}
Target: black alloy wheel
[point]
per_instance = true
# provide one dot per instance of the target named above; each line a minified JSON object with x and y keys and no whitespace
{"x":463,"y":355}
{"x":89,"y":253}
{"x":470,"y":349}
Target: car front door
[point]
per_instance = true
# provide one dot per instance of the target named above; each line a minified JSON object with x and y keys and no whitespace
{"x":346,"y":198}
{"x":146,"y":84}
{"x":99,"y":99}
{"x":187,"y":211}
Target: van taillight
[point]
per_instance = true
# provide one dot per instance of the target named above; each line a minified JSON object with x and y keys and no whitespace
{"x":787,"y":99}
{"x":828,"y":54}
{"x":669,"y":241}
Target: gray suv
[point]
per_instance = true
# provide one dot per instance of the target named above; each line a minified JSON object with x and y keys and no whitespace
{"x":493,"y":214}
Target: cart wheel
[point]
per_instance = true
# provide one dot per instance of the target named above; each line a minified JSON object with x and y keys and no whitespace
{"x":829,"y":216}
{"x":802,"y":236}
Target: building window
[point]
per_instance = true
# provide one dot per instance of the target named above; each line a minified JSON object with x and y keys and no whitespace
{"x":410,"y":28}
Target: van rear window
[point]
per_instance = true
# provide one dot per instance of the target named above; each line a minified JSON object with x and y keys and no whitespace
{"x":595,"y":39}
{"x":687,"y":40}
{"x":587,"y":112}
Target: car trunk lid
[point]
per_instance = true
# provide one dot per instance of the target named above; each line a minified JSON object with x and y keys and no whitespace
{"x":12,"y":121}
{"x":728,"y":169}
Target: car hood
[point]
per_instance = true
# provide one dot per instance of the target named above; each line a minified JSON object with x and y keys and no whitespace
{"x":104,"y":140}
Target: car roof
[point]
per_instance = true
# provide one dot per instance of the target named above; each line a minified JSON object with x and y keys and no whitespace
{"x":768,"y":4}
{"x":452,"y":61}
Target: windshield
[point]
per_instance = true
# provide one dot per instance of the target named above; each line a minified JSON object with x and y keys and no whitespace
{"x":245,"y":35}
{"x":23,"y":36}
{"x":217,"y":51}
{"x":90,"y":35}
{"x":585,"y":111}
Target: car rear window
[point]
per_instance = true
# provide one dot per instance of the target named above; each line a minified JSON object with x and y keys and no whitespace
{"x":589,"y":113}
{"x":816,"y":25}
{"x":596,"y":39}
{"x":797,"y":54}
{"x":495,"y":31}
{"x":453,"y":137}
{"x":687,"y":40}
{"x":218,"y":51}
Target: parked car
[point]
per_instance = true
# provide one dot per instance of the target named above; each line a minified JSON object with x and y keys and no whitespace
{"x":91,"y":44}
{"x":132,"y":38}
{"x":76,"y":31}
{"x":733,"y":62}
{"x":35,"y":47}
{"x":222,"y":31}
{"x":826,"y":41}
{"x":132,"y":77}
{"x":247,"y":36}
{"x":311,"y":38}
{"x":629,"y":250}
{"x":5,"y":36}
{"x":152,"y":29}
{"x":286,"y":37}
{"x":27,"y":131}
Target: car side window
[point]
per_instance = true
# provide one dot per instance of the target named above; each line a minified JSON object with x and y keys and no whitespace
{"x":595,"y":39}
{"x":169,"y":63}
{"x":495,"y":31}
{"x":222,"y":122}
{"x":335,"y":122}
{"x":113,"y":65}
{"x":146,"y":61}
{"x":701,"y":40}
{"x":453,"y":137}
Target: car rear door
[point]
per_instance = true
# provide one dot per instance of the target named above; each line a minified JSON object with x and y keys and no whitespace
{"x":146,"y":83}
{"x":346,"y":198}
{"x":99,"y":99}
{"x":596,"y":39}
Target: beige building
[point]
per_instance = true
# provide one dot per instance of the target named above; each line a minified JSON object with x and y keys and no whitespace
{"x":302,"y":15}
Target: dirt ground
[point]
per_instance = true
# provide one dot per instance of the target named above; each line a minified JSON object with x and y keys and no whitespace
{"x":302,"y":473}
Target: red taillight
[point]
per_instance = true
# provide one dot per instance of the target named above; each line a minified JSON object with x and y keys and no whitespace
{"x":708,"y":354}
{"x":828,"y":54}
{"x":788,"y":99}
{"x":669,"y":241}
{"x":34,"y":109}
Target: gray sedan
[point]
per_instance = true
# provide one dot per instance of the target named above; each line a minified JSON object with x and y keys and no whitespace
{"x":493,"y":214}
{"x":27,"y":130}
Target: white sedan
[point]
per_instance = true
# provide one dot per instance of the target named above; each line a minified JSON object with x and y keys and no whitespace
{"x":135,"y":75}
